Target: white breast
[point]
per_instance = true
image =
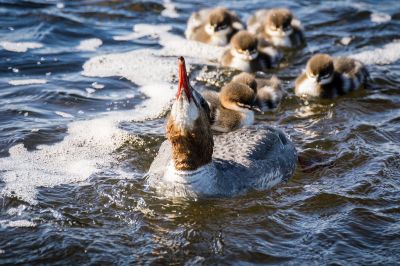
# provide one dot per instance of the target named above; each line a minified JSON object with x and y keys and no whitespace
{"x":219,"y":38}
{"x":308,"y":87}
{"x":281,"y":41}
{"x":176,"y":183}
{"x":240,"y":64}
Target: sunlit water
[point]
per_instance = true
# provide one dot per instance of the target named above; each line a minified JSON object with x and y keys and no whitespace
{"x":83,"y":96}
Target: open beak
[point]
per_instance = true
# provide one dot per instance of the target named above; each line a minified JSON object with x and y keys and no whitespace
{"x":183,"y":82}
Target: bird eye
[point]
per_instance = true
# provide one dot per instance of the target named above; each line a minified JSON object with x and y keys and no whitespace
{"x":222,"y":27}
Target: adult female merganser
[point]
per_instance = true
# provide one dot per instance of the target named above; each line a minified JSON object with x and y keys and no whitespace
{"x":277,"y":27}
{"x":269,"y":92}
{"x":213,"y":26}
{"x":244,"y":54}
{"x":192,"y":163}
{"x":232,"y":107}
{"x":328,"y":77}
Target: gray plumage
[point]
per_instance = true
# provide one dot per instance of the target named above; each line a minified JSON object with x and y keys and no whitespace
{"x":251,"y":158}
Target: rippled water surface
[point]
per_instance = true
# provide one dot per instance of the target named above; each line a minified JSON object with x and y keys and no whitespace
{"x":77,"y":139}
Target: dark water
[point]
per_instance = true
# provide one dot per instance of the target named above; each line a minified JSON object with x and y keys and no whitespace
{"x":342,"y":206}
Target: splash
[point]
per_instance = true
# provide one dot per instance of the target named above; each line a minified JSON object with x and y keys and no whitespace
{"x":388,"y":54}
{"x":170,"y":10}
{"x":20,"y":82}
{"x":89,"y":44}
{"x":20,"y":47}
{"x":379,"y":18}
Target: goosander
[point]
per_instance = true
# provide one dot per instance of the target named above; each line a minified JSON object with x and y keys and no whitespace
{"x":269,"y":92}
{"x":277,"y":27}
{"x":244,"y":54}
{"x":232,"y":107}
{"x":328,"y":77}
{"x":213,"y":26}
{"x":192,"y":163}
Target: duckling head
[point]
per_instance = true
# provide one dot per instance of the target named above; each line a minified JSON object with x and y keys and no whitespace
{"x":278,"y":22}
{"x":238,"y":96}
{"x":247,"y":79}
{"x":244,"y":46}
{"x":320,"y":68}
{"x":219,"y":22}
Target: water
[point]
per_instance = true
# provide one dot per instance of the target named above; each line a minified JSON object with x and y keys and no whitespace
{"x":75,"y":145}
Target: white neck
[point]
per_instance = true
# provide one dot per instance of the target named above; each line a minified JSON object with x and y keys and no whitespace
{"x":239,"y":62}
{"x":201,"y":181}
{"x":280,"y":39}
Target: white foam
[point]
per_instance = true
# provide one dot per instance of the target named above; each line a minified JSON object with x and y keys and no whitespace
{"x":63,"y":114}
{"x":143,"y":30}
{"x":17,"y":223}
{"x":97,"y":86}
{"x":379,"y":17}
{"x":89,"y":144}
{"x":19,"y":82}
{"x":346,"y":40}
{"x":388,"y":54}
{"x":20,"y":47}
{"x":89,"y":44}
{"x":173,"y":45}
{"x":170,"y":10}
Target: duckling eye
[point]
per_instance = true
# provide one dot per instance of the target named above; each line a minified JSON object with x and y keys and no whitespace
{"x":222,"y":27}
{"x":287,"y":28}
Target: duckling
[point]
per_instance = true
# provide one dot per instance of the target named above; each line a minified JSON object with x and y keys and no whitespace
{"x":213,"y":26}
{"x":232,"y":108}
{"x":244,"y":54}
{"x":269,"y":91}
{"x":328,"y":77}
{"x":277,"y":27}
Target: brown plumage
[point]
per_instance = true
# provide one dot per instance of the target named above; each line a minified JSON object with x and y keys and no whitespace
{"x":198,"y":141}
{"x":246,"y":78}
{"x":320,"y":64}
{"x":269,"y":92}
{"x":279,"y":17}
{"x":244,"y":40}
{"x":192,"y":146}
{"x":231,"y":108}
